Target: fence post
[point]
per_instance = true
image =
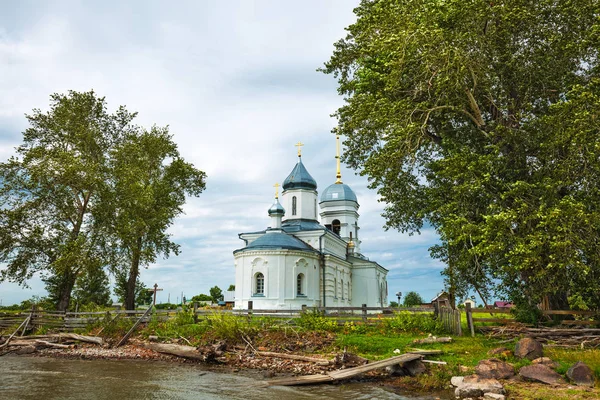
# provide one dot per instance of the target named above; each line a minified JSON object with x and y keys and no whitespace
{"x":303,"y":308}
{"x":364,"y":313}
{"x":436,"y":310}
{"x":470,"y":319}
{"x":195,"y":312}
{"x":458,"y":322}
{"x":249,"y":309}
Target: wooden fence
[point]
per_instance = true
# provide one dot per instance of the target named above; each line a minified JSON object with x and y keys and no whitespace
{"x":71,"y":321}
{"x":504,"y":317}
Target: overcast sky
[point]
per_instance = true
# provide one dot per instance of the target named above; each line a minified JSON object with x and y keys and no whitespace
{"x":236,"y":82}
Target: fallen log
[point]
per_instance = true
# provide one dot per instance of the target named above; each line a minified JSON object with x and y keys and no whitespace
{"x":39,"y":344}
{"x":433,"y":339}
{"x":176,"y":349}
{"x":342,"y":374}
{"x":82,"y":338}
{"x":318,"y":361}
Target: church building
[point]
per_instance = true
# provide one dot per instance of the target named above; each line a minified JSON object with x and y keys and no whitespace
{"x":301,"y":261}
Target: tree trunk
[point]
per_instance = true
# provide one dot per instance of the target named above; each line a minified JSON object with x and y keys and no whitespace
{"x":65,"y":289}
{"x":133,"y":274}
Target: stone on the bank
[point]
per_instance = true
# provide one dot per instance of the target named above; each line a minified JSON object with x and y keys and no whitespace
{"x":546,"y":361}
{"x":541,"y":373}
{"x":493,"y":396}
{"x":395,"y":370}
{"x":153,"y":338}
{"x":581,"y":374}
{"x":457,"y":380}
{"x":475,"y":386}
{"x":529,"y":348}
{"x":415,"y":367}
{"x":411,"y":368}
{"x":494,"y":368}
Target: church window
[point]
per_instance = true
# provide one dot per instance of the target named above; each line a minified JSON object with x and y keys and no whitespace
{"x":315,"y":208}
{"x":300,"y":285}
{"x":348,"y":290}
{"x":342,"y":286}
{"x":335,"y":288}
{"x":259,"y":288}
{"x":336,"y":226}
{"x":294,"y":205}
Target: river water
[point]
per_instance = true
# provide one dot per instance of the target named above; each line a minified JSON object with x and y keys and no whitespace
{"x":49,"y":378}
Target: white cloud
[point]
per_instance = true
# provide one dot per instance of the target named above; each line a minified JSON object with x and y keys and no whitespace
{"x":236,"y":83}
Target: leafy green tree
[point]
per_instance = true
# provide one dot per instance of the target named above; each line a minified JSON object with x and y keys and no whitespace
{"x":92,"y":287}
{"x":202,"y":298}
{"x":148,"y":189}
{"x":141,"y":293}
{"x":481,"y":119}
{"x":393,"y":304}
{"x":231,"y":288}
{"x":216,"y":294}
{"x":412,"y":299}
{"x":50,"y":189}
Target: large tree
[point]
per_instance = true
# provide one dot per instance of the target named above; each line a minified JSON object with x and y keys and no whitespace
{"x":50,"y":189}
{"x":481,"y":118}
{"x":147,"y":191}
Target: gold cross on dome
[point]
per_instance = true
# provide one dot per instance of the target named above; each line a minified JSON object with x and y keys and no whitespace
{"x":276,"y":186}
{"x":299,"y":146}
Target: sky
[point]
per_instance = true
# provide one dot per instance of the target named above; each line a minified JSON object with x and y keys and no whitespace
{"x":236,"y":83}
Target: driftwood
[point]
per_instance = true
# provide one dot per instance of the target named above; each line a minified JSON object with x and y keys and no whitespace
{"x":177,"y":350}
{"x":124,"y":339}
{"x":82,"y":338}
{"x":318,"y":361}
{"x":344,"y":373}
{"x":433,"y":339}
{"x":40,"y":344}
{"x":425,"y":352}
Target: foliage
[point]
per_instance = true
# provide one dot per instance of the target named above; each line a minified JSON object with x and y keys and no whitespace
{"x":142,"y":294}
{"x":216,"y":294}
{"x":233,"y":328}
{"x":201,"y":298}
{"x":393,"y":304}
{"x":231,"y":288}
{"x":148,"y":190}
{"x":413,"y":322}
{"x":51,"y":187}
{"x":92,"y":288}
{"x":481,"y":119}
{"x":412,"y":299}
{"x":166,"y":306}
{"x":317,"y":321}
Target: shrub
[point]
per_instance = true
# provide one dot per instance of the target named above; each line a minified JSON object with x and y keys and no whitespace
{"x":317,"y":321}
{"x":229,"y":327}
{"x":413,"y":322}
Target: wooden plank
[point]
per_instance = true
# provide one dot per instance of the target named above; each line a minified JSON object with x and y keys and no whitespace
{"x":124,"y":339}
{"x":343,"y":373}
{"x":491,"y":311}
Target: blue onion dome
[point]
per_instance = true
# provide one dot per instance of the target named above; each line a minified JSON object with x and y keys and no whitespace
{"x":337,"y":192}
{"x":277,"y":240}
{"x":276,"y":208}
{"x":299,"y":178}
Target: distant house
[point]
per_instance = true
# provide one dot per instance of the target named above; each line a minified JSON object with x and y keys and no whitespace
{"x":441,"y":299}
{"x":229,"y":298}
{"x":470,"y":302}
{"x":503,"y":304}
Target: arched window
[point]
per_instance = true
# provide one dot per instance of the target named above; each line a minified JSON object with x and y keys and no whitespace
{"x":348,"y":290}
{"x":342,"y":286}
{"x":336,"y":226}
{"x":300,"y":285}
{"x":294,"y":205}
{"x":259,"y":284}
{"x":335,"y":288}
{"x":315,"y":208}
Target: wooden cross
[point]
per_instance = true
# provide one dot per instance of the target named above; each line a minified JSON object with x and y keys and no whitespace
{"x":156,"y":289}
{"x":276,"y":186}
{"x":299,"y":146}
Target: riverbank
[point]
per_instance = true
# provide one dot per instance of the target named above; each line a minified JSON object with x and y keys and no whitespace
{"x":240,"y":343}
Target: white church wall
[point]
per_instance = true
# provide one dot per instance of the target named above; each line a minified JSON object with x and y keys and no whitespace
{"x":280,"y":270}
{"x":369,"y":285}
{"x":306,"y":204}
